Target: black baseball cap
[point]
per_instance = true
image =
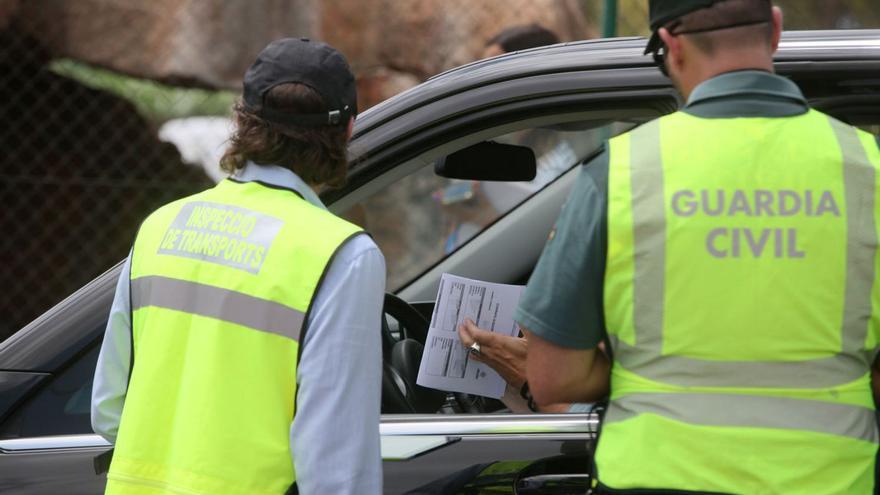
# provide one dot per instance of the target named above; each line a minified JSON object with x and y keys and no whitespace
{"x":662,"y":12}
{"x":665,"y":11}
{"x":301,"y":60}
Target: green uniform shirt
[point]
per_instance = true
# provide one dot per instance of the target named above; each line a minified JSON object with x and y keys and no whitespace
{"x":563,"y":300}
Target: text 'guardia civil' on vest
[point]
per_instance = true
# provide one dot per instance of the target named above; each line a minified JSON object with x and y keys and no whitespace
{"x":738,"y":242}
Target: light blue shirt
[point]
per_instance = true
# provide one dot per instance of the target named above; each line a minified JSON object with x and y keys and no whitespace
{"x":334,"y":437}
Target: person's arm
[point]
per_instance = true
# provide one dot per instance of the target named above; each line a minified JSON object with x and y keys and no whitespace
{"x":111,"y":374}
{"x":507,"y":356}
{"x":563,"y":374}
{"x":334,"y":437}
{"x":561,"y":311}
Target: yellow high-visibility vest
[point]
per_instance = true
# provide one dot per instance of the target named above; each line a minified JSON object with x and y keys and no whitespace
{"x":221,"y":286}
{"x":741,"y":305}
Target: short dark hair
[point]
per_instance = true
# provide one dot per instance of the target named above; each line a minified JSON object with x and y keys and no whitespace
{"x":318,"y":155}
{"x":523,"y":37}
{"x":748,"y":21}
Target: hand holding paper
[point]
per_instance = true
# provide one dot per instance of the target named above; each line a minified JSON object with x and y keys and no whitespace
{"x":446,"y":363}
{"x":505,"y":354}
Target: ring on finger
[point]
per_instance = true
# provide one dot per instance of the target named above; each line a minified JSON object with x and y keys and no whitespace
{"x":475,"y":348}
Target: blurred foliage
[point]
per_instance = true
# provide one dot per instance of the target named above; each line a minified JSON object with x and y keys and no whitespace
{"x":632,"y":17}
{"x":830,"y":14}
{"x":154,"y":101}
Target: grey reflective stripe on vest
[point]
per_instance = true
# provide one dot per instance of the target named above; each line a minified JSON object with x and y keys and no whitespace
{"x":750,"y":411}
{"x":215,"y":302}
{"x":649,"y":237}
{"x":684,"y":371}
{"x":861,"y":239}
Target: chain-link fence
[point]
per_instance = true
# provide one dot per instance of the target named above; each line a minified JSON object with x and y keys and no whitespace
{"x":79,"y":170}
{"x":88,"y":152}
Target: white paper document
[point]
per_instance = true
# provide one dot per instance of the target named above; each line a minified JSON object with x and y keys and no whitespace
{"x":446,"y":363}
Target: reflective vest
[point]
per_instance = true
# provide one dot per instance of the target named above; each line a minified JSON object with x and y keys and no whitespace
{"x":740,"y":302}
{"x":221,"y":286}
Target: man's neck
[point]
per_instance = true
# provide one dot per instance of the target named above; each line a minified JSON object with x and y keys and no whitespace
{"x":704,"y":72}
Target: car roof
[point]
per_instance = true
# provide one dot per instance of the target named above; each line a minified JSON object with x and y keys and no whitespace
{"x":602,"y":54}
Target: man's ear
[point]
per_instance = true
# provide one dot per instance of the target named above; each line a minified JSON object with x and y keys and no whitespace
{"x":350,"y":129}
{"x":777,"y":28}
{"x":673,"y":48}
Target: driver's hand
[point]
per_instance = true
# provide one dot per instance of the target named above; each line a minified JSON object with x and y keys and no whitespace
{"x":505,"y":354}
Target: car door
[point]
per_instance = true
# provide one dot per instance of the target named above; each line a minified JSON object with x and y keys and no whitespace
{"x":46,"y":370}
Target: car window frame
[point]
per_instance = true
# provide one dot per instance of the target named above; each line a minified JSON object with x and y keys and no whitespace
{"x":518,"y":115}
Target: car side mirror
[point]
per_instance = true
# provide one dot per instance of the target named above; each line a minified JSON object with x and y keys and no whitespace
{"x":489,"y":160}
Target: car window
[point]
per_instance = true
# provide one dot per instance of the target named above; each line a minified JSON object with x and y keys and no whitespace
{"x":423,"y":218}
{"x":60,"y":407}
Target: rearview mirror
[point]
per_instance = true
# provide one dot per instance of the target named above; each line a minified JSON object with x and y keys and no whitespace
{"x":489,"y":161}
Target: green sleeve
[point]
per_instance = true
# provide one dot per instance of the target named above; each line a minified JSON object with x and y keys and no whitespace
{"x":563,"y":300}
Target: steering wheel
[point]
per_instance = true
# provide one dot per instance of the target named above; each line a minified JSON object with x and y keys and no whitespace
{"x":411,"y":323}
{"x":401,"y":359}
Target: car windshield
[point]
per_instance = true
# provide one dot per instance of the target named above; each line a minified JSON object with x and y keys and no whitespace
{"x":423,"y":218}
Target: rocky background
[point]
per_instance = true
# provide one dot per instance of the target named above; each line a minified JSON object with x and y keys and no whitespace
{"x":210,"y":43}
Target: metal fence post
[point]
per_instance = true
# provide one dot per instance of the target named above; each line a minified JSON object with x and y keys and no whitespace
{"x":609,"y":19}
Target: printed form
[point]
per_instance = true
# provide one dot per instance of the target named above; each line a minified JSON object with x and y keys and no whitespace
{"x":446,"y":363}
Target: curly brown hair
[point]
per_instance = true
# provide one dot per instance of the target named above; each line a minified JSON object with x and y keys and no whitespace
{"x":317,"y":155}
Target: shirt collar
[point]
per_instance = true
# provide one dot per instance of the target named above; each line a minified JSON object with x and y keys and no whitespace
{"x":278,"y":176}
{"x":746,"y":82}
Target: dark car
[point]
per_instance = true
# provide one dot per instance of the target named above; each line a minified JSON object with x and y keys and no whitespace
{"x":562,"y":102}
